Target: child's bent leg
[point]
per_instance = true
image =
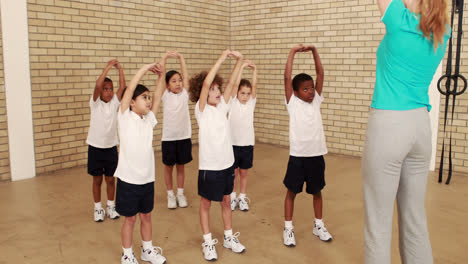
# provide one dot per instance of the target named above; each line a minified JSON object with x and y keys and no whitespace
{"x":180,"y":176}
{"x":146,"y":228}
{"x":110,"y":183}
{"x":97,"y":182}
{"x":127,"y":231}
{"x":205,"y":205}
{"x":168,"y":176}
{"x":289,"y":205}
{"x":318,"y":205}
{"x":243,"y":180}
{"x":226,"y":211}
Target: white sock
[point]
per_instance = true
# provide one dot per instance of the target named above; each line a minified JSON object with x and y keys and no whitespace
{"x":242,"y":195}
{"x":233,"y":195}
{"x":228,"y":233}
{"x":147,"y":244}
{"x":128,"y":251}
{"x":111,"y":203}
{"x":318,"y":222}
{"x":288,"y":224}
{"x":98,"y":205}
{"x":170,"y":193}
{"x":207,"y":237}
{"x":180,"y":191}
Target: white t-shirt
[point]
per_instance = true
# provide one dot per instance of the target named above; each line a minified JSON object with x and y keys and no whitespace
{"x":102,"y":131}
{"x":176,"y":124}
{"x":136,"y":157}
{"x":306,"y":136}
{"x":214,"y":136}
{"x":241,"y":118}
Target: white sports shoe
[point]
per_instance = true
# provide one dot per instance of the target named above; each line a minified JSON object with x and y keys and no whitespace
{"x":233,"y":204}
{"x":99,"y":214}
{"x":182,"y":201}
{"x":209,"y":250}
{"x":288,"y":237}
{"x":243,"y":204}
{"x":171,"y":202}
{"x":152,"y":255}
{"x":128,"y":259}
{"x":112,"y":213}
{"x":233,"y":243}
{"x":322,"y":233}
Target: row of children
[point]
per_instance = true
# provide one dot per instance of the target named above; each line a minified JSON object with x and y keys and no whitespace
{"x":226,"y":142}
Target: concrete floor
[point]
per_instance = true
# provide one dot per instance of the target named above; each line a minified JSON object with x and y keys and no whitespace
{"x":48,"y":219}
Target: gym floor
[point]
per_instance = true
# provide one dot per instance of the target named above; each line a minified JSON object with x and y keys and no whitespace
{"x":49,"y":219}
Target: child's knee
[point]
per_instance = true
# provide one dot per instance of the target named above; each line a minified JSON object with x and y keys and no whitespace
{"x":97,"y":180}
{"x":317,"y":196}
{"x":226,"y":202}
{"x":145,"y":218}
{"x":110,"y":180}
{"x":205,"y":203}
{"x":130,"y":220}
{"x":290,"y":195}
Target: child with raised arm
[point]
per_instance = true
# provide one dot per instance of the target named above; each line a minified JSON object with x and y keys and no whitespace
{"x":307,"y":143}
{"x":241,"y":117}
{"x":102,"y":139}
{"x":177,"y":130}
{"x":135,"y":170}
{"x":216,"y":157}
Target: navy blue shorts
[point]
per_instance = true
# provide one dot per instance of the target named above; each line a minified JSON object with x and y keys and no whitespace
{"x":243,"y":157}
{"x":102,"y":161}
{"x":131,"y":199}
{"x":176,"y":152}
{"x":214,"y":185}
{"x":310,"y":170}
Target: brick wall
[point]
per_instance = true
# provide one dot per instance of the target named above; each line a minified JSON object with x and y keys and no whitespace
{"x":71,"y":41}
{"x":4,"y":152}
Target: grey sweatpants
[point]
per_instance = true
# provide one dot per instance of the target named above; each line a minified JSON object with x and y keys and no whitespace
{"x":395,"y":164}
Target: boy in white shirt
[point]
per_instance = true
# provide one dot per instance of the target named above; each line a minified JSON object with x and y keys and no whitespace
{"x":135,"y":170}
{"x":176,"y":142}
{"x":102,"y":139}
{"x":216,"y":157}
{"x":307,"y":143}
{"x":241,"y":117}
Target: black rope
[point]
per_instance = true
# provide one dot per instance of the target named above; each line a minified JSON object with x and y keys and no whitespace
{"x":457,"y":8}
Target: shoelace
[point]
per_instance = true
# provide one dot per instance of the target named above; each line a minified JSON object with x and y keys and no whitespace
{"x":156,"y":250}
{"x":234,"y":237}
{"x":244,"y":200}
{"x":210,"y":245}
{"x":322,"y":228}
{"x":289,"y":232}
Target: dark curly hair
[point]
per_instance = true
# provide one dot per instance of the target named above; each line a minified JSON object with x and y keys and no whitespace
{"x":196,"y":84}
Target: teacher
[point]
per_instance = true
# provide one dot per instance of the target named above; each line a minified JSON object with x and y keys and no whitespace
{"x":397,"y":149}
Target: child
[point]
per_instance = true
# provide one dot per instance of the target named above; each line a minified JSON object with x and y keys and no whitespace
{"x":216,"y":157}
{"x":135,"y":170}
{"x":102,"y":139}
{"x":241,"y":117}
{"x":307,"y":143}
{"x":177,"y":130}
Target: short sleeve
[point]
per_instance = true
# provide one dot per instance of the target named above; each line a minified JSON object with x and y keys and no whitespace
{"x":253,"y":102}
{"x":115,"y":101}
{"x":123,"y":115}
{"x":292,"y":103}
{"x":320,"y":98}
{"x":93,"y":104}
{"x":395,"y":14}
{"x":151,"y":118}
{"x":197,"y":110}
{"x":223,"y":106}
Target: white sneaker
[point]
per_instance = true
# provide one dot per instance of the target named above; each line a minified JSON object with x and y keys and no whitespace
{"x":112,"y":213}
{"x":209,"y":250}
{"x":99,"y":214}
{"x":322,"y":233}
{"x":152,"y":255}
{"x":128,"y":259}
{"x":243,"y":204}
{"x":233,"y":204}
{"x":182,"y":200}
{"x":233,"y":243}
{"x":288,"y":237}
{"x":171,"y":202}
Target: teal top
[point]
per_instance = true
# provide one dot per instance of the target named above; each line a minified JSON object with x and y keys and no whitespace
{"x":406,"y":61}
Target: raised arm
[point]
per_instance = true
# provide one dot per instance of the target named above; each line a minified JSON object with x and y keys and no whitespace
{"x":318,"y":69}
{"x":233,"y":76}
{"x":160,"y":69}
{"x":127,"y":96}
{"x":122,"y":83}
{"x":383,"y":4}
{"x":209,"y":80}
{"x":288,"y":89}
{"x":183,"y":69}
{"x":100,"y":80}
{"x":235,"y":87}
{"x":254,"y":80}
